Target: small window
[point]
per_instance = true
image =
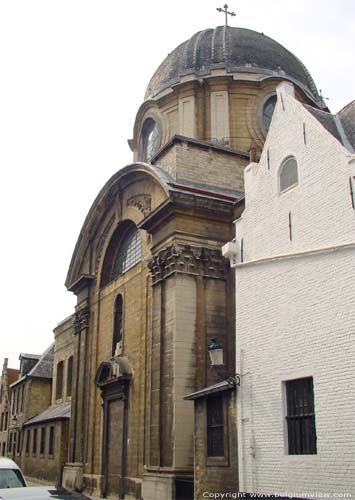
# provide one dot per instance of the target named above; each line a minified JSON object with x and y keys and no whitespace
{"x":34,"y":442}
{"x":28,"y":440}
{"x":9,"y":448}
{"x":51,"y":440}
{"x":59,"y":382}
{"x":150,"y":139}
{"x":301,"y":422}
{"x":69,"y":376}
{"x":215,"y":426}
{"x":288,"y":174}
{"x":43,"y":441}
{"x":19,"y":436}
{"x":117,"y":326}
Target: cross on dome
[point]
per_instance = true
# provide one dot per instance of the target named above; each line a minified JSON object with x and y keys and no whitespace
{"x":226,"y":12}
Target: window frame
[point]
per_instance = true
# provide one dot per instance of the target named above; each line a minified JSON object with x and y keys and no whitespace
{"x":300,"y":425}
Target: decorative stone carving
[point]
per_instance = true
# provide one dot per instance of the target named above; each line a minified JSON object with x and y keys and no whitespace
{"x":141,"y":201}
{"x":81,"y":320}
{"x":188,"y":259}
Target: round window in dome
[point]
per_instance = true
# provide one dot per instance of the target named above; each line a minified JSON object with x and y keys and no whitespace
{"x":268,"y":111}
{"x":150,"y":139}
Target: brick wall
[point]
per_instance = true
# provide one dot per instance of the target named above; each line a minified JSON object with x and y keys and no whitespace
{"x":294,"y":314}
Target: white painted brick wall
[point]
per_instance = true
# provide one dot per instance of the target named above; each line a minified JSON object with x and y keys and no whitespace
{"x":296,"y":316}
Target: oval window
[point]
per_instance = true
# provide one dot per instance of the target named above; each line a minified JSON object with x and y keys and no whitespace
{"x":268,"y":111}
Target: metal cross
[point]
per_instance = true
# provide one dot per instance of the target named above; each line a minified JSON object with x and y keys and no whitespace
{"x":225,"y":10}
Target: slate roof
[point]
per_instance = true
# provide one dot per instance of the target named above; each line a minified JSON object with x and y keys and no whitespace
{"x":30,"y":356}
{"x":43,"y":368}
{"x":341,"y":125}
{"x":235,"y":50}
{"x":54,"y":412}
{"x":347,"y":118}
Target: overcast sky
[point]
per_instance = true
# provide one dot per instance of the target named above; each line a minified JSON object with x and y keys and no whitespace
{"x":73,"y":75}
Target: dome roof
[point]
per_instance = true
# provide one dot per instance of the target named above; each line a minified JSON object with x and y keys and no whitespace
{"x":232,"y":49}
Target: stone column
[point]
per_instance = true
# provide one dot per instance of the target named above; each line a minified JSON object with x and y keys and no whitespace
{"x":73,"y":471}
{"x":184,"y":278}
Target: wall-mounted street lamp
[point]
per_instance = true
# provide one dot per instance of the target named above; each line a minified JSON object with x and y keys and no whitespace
{"x":216,"y":354}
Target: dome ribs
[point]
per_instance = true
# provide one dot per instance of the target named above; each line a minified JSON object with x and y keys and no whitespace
{"x":232,"y":49}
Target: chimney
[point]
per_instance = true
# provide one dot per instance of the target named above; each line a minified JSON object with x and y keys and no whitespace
{"x":253,"y":157}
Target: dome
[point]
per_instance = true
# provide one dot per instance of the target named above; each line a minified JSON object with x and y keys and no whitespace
{"x":234,"y":50}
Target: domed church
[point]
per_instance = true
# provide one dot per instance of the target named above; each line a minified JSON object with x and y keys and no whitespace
{"x":152,"y":287}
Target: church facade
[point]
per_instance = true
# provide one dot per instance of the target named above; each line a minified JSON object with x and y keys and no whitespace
{"x":152,"y":286}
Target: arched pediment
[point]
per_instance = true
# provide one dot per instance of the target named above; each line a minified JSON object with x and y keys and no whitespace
{"x":132,"y":193}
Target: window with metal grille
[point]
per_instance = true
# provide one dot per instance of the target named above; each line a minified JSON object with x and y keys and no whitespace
{"x":215,"y":426}
{"x":43,"y":441}
{"x":288,"y":175}
{"x":129,"y":253}
{"x":301,"y":422}
{"x":51,"y":440}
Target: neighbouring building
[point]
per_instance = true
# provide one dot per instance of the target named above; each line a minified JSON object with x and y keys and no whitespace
{"x":30,"y":395}
{"x":8,"y":376}
{"x":45,"y":438}
{"x":294,"y":258}
{"x":152,"y":287}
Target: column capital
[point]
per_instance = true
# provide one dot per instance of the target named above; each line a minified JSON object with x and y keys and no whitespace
{"x":188,"y":259}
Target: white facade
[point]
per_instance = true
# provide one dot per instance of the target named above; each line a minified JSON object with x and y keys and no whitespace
{"x":295,"y":311}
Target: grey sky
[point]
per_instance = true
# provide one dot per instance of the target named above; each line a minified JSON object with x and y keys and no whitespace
{"x":73,"y":74}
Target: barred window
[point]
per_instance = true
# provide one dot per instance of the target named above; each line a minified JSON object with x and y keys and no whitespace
{"x":215,"y":426}
{"x":288,"y":175}
{"x":301,"y":422}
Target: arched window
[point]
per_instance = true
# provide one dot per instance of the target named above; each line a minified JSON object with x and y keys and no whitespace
{"x":124,"y":252}
{"x":129,"y":252}
{"x":288,"y":174}
{"x":150,"y":139}
{"x":117,"y":326}
{"x":69,"y":376}
{"x":59,"y":382}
